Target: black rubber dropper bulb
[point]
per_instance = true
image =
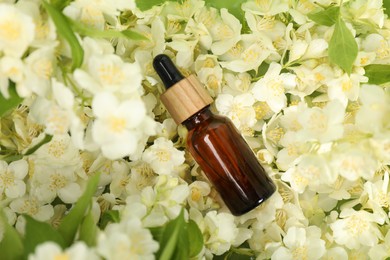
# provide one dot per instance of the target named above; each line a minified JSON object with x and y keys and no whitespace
{"x":167,"y":71}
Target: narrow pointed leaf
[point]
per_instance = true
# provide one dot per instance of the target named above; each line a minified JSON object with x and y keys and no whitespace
{"x":64,"y":30}
{"x":70,"y":223}
{"x":11,"y":246}
{"x":196,"y":238}
{"x":343,"y":48}
{"x":233,"y":6}
{"x":326,"y":17}
{"x":37,"y":233}
{"x":88,"y":230}
{"x":145,"y":5}
{"x":171,"y":235}
{"x":386,"y":5}
{"x":378,"y":73}
{"x":45,"y":140}
{"x":92,"y":32}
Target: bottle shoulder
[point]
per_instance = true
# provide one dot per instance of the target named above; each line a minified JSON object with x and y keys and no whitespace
{"x":211,"y":123}
{"x":215,"y":129}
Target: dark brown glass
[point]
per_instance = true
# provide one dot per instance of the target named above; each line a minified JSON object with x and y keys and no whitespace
{"x":228,"y":161}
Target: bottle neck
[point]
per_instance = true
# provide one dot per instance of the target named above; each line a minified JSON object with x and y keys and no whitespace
{"x":198,"y":118}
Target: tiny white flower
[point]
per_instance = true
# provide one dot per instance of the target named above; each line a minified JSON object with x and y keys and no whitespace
{"x":374,"y":108}
{"x":142,"y":175}
{"x":10,"y":68}
{"x":116,"y":128}
{"x":249,"y":53}
{"x":264,"y":214}
{"x":40,"y":66}
{"x":265,"y":24}
{"x":238,"y":108}
{"x":237,"y":83}
{"x":379,"y":45}
{"x":272,"y":87}
{"x":126,"y":240}
{"x":199,"y":191}
{"x":58,"y":153}
{"x":48,"y":183}
{"x":266,"y":7}
{"x":58,"y":115}
{"x":220,"y":231}
{"x":371,"y":11}
{"x":345,"y":88}
{"x":17,"y":30}
{"x":382,"y":250}
{"x":225,"y":33}
{"x":12,"y":178}
{"x":311,"y":171}
{"x":310,"y":79}
{"x":354,"y":162}
{"x":163,"y":157}
{"x":108,"y":73}
{"x":33,"y":207}
{"x":182,"y":11}
{"x":164,"y":201}
{"x":356,"y":229}
{"x":323,"y":124}
{"x":336,"y":253}
{"x":301,"y":243}
{"x":185,"y":52}
{"x":50,"y":250}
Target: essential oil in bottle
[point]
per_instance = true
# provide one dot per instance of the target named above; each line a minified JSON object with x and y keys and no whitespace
{"x":214,"y":141}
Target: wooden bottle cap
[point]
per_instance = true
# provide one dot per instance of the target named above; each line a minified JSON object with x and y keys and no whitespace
{"x":185,"y":98}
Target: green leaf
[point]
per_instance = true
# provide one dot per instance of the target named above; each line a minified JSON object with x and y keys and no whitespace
{"x":109,"y":216}
{"x":11,"y":246}
{"x":88,"y":230}
{"x":171,"y":235}
{"x":157,"y":232}
{"x":343,"y":48}
{"x":147,"y":4}
{"x":91,"y":32}
{"x":326,"y":17}
{"x":377,"y":73}
{"x":183,"y":244}
{"x":386,"y":5}
{"x":64,"y":30}
{"x":37,"y":233}
{"x":233,"y":6}
{"x":45,"y":140}
{"x":196,"y":238}
{"x":60,"y":4}
{"x":7,"y":104}
{"x":70,"y":223}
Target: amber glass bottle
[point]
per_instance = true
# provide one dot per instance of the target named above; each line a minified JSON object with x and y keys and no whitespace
{"x":214,"y":141}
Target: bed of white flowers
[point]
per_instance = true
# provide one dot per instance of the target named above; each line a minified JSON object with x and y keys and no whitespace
{"x":93,"y":167}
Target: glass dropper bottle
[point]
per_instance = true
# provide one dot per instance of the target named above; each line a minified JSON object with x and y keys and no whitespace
{"x":214,"y":141}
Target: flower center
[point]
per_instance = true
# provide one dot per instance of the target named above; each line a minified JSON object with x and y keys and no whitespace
{"x":57,"y":182}
{"x":63,"y":256}
{"x":195,"y":194}
{"x":57,"y":148}
{"x":111,"y":74}
{"x":163,"y":156}
{"x":356,"y":225}
{"x":7,"y":179}
{"x":10,"y":30}
{"x":300,"y":253}
{"x":117,"y":124}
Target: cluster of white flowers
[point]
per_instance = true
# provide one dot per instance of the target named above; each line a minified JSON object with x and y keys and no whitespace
{"x":323,"y":134}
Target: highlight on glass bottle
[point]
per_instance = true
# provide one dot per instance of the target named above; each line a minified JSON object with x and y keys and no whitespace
{"x":214,"y":141}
